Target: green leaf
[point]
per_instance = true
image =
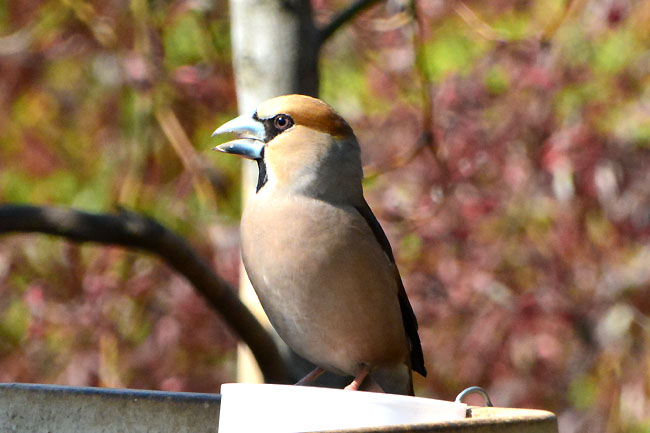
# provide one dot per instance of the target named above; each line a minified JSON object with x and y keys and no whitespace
{"x":15,"y":185}
{"x":450,"y":51}
{"x":615,"y":52}
{"x":14,"y":322}
{"x":185,"y":41}
{"x":410,"y":247}
{"x":582,"y":392}
{"x":497,"y":80}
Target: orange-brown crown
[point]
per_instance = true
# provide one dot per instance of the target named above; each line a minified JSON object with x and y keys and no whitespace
{"x":306,"y":111}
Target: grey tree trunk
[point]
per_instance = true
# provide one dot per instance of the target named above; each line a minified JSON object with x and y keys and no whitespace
{"x":275,"y":49}
{"x":275,"y":52}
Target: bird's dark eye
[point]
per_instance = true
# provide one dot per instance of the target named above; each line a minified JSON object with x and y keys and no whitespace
{"x":282,"y":122}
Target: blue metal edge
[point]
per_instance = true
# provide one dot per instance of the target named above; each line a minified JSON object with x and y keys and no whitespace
{"x":117,"y":393}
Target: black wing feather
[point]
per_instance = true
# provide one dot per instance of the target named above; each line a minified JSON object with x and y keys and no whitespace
{"x":408,"y":316}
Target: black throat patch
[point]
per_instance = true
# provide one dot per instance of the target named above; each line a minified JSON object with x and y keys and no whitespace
{"x":270,"y":133}
{"x":262,"y":176}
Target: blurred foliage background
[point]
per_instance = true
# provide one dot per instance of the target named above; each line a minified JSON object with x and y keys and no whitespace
{"x":506,"y":146}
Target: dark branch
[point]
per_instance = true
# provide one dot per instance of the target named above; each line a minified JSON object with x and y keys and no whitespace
{"x":131,"y":230}
{"x":341,"y":18}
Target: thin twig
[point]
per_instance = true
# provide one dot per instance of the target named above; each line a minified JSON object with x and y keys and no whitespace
{"x":132,"y":230}
{"x":182,"y":145}
{"x":86,"y":13}
{"x":16,"y":42}
{"x":477,"y":24}
{"x":427,"y":137}
{"x":341,"y":18}
{"x":372,"y":171}
{"x":570,"y":9}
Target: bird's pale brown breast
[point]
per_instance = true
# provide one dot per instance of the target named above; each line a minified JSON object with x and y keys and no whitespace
{"x":325,"y":283}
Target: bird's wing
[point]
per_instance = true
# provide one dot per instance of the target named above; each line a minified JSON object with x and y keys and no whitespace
{"x":408,"y":316}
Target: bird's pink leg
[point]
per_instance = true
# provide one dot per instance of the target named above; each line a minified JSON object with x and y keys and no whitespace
{"x":311,"y":376}
{"x":356,"y":383}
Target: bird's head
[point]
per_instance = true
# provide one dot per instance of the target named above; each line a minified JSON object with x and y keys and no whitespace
{"x":300,"y":142}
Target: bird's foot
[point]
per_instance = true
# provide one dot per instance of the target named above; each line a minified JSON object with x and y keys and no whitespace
{"x":356,"y":383}
{"x":311,"y":376}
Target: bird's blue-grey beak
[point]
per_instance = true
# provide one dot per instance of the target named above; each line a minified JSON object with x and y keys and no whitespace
{"x":252,"y":134}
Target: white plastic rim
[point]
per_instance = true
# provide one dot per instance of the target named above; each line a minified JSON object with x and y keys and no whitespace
{"x":286,"y":408}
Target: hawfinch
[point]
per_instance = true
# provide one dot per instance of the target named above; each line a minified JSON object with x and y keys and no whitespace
{"x":314,"y":252}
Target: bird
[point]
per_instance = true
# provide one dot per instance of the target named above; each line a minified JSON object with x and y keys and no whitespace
{"x":316,"y":255}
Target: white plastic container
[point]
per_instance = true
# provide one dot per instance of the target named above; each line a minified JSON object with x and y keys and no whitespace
{"x":286,"y":408}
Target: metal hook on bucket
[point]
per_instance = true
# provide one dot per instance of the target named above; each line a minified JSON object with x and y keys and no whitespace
{"x":474,"y":390}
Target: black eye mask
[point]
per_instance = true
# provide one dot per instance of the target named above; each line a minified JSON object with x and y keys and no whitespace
{"x":275,"y":125}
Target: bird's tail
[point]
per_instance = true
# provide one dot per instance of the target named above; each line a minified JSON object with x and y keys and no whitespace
{"x":395,"y":379}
